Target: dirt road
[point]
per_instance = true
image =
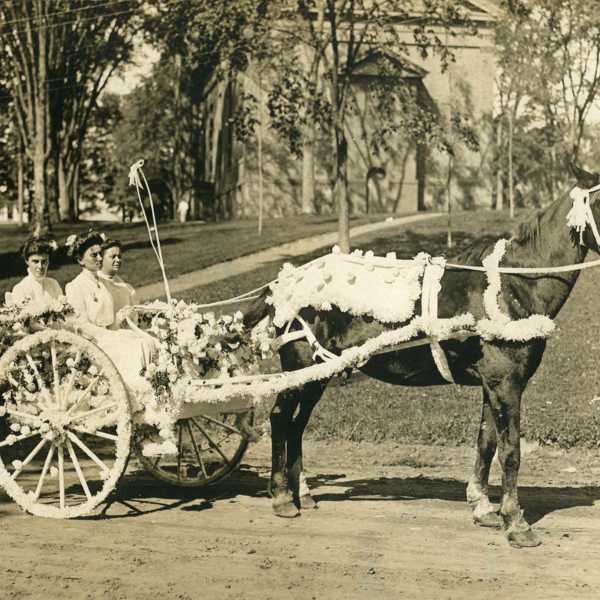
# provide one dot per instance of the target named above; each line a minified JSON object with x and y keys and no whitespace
{"x":391,"y":523}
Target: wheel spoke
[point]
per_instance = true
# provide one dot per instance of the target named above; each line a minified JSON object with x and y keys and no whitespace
{"x":61,"y":475}
{"x":75,"y":462}
{"x":38,"y":378}
{"x":18,"y":438}
{"x":210,"y":440}
{"x":47,"y":462}
{"x":22,"y":415}
{"x":83,"y":396}
{"x":94,"y":411}
{"x":226,"y":426}
{"x":29,"y":458}
{"x":98,"y":433}
{"x":196,"y":449}
{"x":55,"y":381}
{"x":85,"y":449}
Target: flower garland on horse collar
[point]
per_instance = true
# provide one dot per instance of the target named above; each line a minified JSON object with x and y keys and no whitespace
{"x":499,"y":325}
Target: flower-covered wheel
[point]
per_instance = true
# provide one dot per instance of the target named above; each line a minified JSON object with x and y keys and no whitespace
{"x":209,"y":447}
{"x":65,"y":428}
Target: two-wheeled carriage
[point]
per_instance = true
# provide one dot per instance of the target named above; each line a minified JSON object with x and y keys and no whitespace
{"x":68,"y":428}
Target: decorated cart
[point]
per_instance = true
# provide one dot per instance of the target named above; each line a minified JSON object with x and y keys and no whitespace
{"x":69,"y":422}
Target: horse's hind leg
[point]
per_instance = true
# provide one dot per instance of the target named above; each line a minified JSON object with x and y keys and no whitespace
{"x":312,"y":394}
{"x":505,"y":400}
{"x":484,"y":513}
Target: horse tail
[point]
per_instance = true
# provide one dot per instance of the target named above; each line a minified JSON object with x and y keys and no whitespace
{"x":258,"y":310}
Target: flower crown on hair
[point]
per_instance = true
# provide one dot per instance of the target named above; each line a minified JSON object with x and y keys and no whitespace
{"x":78,"y":244}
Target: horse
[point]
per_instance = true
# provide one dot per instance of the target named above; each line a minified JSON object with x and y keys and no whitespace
{"x":501,"y":368}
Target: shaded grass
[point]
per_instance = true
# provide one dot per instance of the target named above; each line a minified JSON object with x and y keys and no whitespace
{"x":559,"y":405}
{"x":186,"y":247}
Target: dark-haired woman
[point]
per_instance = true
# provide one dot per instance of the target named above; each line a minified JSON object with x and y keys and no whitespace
{"x":122,"y":293}
{"x":36,"y":286}
{"x":88,"y":296}
{"x":95,"y":307}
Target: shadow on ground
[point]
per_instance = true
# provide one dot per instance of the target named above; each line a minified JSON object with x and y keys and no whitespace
{"x":536,"y":501}
{"x":139,"y":494}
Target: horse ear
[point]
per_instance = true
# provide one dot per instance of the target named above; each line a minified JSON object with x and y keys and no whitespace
{"x":585,"y":180}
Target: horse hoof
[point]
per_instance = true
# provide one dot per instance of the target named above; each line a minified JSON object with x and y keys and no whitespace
{"x":523,"y":538}
{"x":491,"y":519}
{"x":307,"y":502}
{"x":286,"y":509}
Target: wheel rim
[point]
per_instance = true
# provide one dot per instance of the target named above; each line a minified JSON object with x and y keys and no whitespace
{"x":209,"y":447}
{"x":67,"y":428}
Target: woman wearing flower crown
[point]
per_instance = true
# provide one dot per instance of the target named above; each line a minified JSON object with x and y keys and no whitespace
{"x":94,"y":305}
{"x":122,"y":293}
{"x":36,"y":286}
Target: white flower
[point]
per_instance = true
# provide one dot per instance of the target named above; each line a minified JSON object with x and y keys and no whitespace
{"x":11,"y":439}
{"x":25,"y":430}
{"x":93,"y":370}
{"x":53,"y":471}
{"x":70,"y":362}
{"x":17,"y":464}
{"x":45,"y":426}
{"x":16,"y":427}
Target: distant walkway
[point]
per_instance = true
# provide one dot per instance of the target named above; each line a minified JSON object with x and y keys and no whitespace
{"x":250,"y":262}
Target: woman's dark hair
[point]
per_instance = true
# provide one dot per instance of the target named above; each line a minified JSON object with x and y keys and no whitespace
{"x":110,"y":243}
{"x":78,"y":244}
{"x":38,"y":245}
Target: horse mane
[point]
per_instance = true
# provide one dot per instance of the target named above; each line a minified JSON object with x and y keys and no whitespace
{"x":528,"y":233}
{"x":532,"y":237}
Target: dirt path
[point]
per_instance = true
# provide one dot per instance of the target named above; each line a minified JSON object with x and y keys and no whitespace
{"x":392,"y":523}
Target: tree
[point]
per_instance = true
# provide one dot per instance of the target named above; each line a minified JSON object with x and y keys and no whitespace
{"x":59,"y":62}
{"x":549,"y":59}
{"x":354,"y":29}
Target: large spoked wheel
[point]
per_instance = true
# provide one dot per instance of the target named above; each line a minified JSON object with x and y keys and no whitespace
{"x":209,"y":447}
{"x":66,"y":426}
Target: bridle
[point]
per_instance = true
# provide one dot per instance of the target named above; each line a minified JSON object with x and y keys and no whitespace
{"x":581,"y":215}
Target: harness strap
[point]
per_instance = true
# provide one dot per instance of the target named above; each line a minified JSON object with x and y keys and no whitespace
{"x":431,"y":287}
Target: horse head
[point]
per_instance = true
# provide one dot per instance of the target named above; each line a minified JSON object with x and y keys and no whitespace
{"x":584,"y":217}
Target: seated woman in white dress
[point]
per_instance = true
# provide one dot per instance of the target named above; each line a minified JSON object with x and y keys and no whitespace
{"x":95,"y":308}
{"x":122,"y":293}
{"x":36,"y":286}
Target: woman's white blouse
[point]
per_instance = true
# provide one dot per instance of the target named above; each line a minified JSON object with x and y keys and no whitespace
{"x":30,"y":288}
{"x":90,"y":299}
{"x":122,"y":294}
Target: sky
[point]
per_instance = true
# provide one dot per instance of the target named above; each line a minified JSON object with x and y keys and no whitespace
{"x":144,"y":57}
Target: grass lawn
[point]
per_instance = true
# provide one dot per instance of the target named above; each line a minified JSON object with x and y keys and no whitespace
{"x":186,"y":247}
{"x":561,"y":403}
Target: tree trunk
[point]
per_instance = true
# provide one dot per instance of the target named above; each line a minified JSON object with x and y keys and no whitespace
{"x":499,"y":155}
{"x":340,"y":188}
{"x":308,"y":173}
{"x":66,"y":206}
{"x":259,"y":140}
{"x":511,"y":193}
{"x":41,"y":222}
{"x":20,"y":184}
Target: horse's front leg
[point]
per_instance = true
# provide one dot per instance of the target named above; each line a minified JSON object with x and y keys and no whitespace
{"x":312,"y":394}
{"x":484,"y":513}
{"x":281,"y":421}
{"x":505,"y":400}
